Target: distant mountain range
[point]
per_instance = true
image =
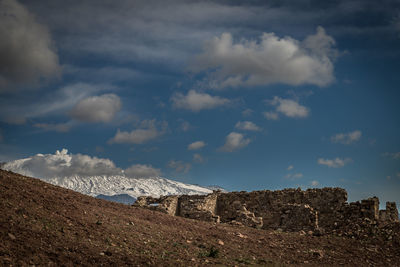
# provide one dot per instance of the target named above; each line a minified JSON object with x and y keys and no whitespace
{"x":118,"y":188}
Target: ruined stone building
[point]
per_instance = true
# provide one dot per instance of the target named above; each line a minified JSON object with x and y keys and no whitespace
{"x":289,"y":209}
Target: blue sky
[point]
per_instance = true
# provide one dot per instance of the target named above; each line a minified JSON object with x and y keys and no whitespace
{"x":248,"y":97}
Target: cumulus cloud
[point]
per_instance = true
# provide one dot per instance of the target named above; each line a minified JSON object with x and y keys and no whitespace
{"x":142,"y":171}
{"x":179,"y":166}
{"x":288,"y":107}
{"x":56,"y":102}
{"x":196,"y":101}
{"x":334,"y":163}
{"x":235,"y":141}
{"x":198,"y":158}
{"x":271,"y":60}
{"x":26,"y":49}
{"x":196,"y":145}
{"x":62,"y":164}
{"x":147,"y":131}
{"x":247,"y":126}
{"x":346,"y":138}
{"x":271,"y":115}
{"x":394,"y":155}
{"x":96,"y":108}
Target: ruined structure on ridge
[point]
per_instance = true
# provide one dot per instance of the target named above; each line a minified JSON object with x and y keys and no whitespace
{"x":317,"y":210}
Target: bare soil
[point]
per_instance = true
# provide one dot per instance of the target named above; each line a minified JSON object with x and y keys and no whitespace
{"x":42,"y":224}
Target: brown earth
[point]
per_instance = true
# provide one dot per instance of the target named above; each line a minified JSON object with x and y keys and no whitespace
{"x":42,"y":224}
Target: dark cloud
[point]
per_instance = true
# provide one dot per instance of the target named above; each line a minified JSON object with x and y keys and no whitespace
{"x":26,"y":49}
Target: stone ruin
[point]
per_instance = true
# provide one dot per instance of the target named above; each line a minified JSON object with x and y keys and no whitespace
{"x":317,"y":210}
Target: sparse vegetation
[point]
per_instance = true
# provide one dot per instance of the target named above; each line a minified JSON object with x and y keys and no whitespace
{"x":41,"y":225}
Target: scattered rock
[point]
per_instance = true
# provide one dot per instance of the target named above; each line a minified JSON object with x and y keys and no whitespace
{"x":241,"y":235}
{"x":11,"y":236}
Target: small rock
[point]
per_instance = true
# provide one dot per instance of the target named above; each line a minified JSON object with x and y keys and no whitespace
{"x":11,"y":236}
{"x":108,"y":253}
{"x":189,"y":241}
{"x":220,"y":242}
{"x":101,"y":253}
{"x":241,"y":235}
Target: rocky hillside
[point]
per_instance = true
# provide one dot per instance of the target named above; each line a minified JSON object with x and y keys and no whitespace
{"x":42,"y":224}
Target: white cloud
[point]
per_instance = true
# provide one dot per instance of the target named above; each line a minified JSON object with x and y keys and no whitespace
{"x":96,"y":108}
{"x":294,"y":176}
{"x":185,"y":126}
{"x":290,"y":167}
{"x":288,"y":107}
{"x":56,"y":102}
{"x":195,"y":101}
{"x":334,"y":163}
{"x":272,"y":60}
{"x":247,"y":125}
{"x":142,"y":171}
{"x":198,"y":158}
{"x":57,"y":127}
{"x":314,"y":183}
{"x":62,"y":164}
{"x":179,"y":166}
{"x":196,"y":145}
{"x":394,"y":155}
{"x":147,"y":131}
{"x":235,"y":141}
{"x":26,"y":48}
{"x":346,"y":138}
{"x":247,"y":112}
{"x":271,"y":115}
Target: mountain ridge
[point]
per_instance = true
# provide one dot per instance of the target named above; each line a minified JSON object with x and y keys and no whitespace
{"x":98,"y":177}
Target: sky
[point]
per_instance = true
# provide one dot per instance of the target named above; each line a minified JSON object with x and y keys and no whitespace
{"x":246,"y":96}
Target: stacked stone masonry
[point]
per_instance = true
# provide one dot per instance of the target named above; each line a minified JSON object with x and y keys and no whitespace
{"x":318,"y":210}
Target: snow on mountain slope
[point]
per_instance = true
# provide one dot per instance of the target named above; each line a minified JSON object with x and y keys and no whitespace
{"x":118,"y":184}
{"x":95,"y":176}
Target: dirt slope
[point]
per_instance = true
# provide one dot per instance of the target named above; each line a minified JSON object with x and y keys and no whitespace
{"x":41,"y":224}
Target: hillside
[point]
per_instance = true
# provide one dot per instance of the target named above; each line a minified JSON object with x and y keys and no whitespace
{"x":43,"y":224}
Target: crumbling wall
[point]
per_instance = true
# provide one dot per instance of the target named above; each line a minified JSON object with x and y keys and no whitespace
{"x":165,"y":204}
{"x":319,"y":210}
{"x":199,"y":207}
{"x":318,"y":206}
{"x":390,"y":214}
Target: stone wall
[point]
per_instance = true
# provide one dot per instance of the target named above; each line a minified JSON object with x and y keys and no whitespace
{"x":323,"y":209}
{"x":390,"y":214}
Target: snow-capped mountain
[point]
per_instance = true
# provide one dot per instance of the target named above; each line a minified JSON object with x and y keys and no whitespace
{"x":97,"y":177}
{"x":134,"y":187}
